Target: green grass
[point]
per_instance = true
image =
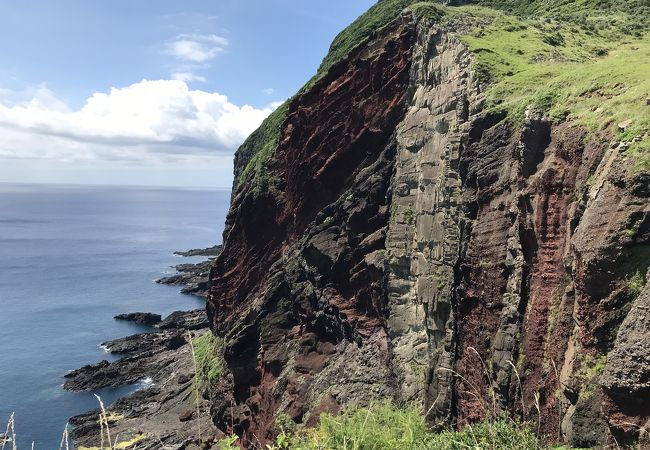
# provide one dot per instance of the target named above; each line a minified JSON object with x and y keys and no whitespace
{"x":260,"y":145}
{"x":385,"y":427}
{"x":563,"y":70}
{"x":566,"y":7}
{"x":584,"y":61}
{"x":635,"y":284}
{"x":378,"y":16}
{"x":588,"y":374}
{"x":208,"y":350}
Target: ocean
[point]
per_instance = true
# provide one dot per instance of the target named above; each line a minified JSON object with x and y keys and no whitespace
{"x":71,"y":258}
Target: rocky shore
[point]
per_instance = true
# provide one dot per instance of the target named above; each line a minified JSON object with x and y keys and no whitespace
{"x":193,"y":277}
{"x":163,"y":413}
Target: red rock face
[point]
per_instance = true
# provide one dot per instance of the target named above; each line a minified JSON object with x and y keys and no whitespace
{"x":328,"y":134}
{"x":531,"y":190}
{"x":334,"y":130}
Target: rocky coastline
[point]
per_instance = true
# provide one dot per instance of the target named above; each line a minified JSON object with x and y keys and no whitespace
{"x":193,"y":277}
{"x":163,"y":411}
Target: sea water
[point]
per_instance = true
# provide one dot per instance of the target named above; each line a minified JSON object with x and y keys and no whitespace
{"x":71,"y":258}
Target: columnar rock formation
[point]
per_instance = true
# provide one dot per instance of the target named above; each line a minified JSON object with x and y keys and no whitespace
{"x":412,"y":246}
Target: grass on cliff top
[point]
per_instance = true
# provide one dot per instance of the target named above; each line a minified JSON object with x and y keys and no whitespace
{"x":384,"y":427}
{"x":563,"y":8}
{"x":260,"y":145}
{"x":596,"y":76}
{"x":583,"y":60}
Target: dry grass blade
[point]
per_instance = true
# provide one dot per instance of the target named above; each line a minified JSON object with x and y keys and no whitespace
{"x":103,"y":420}
{"x":6,"y":435}
{"x":64,"y":439}
{"x":476,"y":394}
{"x":559,"y":404}
{"x":196,"y":386}
{"x":489,"y":381}
{"x":521,"y":390}
{"x":12,"y":421}
{"x":539,"y":413}
{"x":11,"y":428}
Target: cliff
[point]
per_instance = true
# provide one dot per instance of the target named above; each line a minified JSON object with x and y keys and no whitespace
{"x":452,"y":213}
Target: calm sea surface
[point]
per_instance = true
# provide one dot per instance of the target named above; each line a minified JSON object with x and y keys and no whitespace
{"x":72,"y":257}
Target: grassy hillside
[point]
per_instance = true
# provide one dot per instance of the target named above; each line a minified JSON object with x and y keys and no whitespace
{"x":557,"y":7}
{"x":592,"y":75}
{"x":583,"y":60}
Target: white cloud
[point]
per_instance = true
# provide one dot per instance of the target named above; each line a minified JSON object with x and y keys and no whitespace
{"x":196,"y":47}
{"x":146,"y":121}
{"x":269,"y":91}
{"x":188,"y":76}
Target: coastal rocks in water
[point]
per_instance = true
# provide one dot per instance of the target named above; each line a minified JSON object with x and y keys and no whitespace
{"x":151,"y":415}
{"x":163,"y":358}
{"x":210,"y":251}
{"x":186,"y":320}
{"x":113,"y":374}
{"x":193,"y":277}
{"x":146,"y":342}
{"x":147,"y":355}
{"x":141,"y":318}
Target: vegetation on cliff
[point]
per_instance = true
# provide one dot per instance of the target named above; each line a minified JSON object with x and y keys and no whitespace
{"x":384,"y":427}
{"x":591,"y":74}
{"x":209,"y":360}
{"x":583,"y":61}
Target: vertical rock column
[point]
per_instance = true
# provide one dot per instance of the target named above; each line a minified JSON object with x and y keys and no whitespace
{"x":422,"y":242}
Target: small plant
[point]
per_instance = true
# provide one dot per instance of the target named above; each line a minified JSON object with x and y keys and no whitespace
{"x":553,"y":39}
{"x":208,"y":351}
{"x":409,"y":216}
{"x":635,"y":284}
{"x":228,"y":443}
{"x":590,"y":370}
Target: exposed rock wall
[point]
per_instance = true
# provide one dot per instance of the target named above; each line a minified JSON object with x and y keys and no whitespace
{"x":298,"y":290}
{"x":423,"y":237}
{"x":414,"y":247}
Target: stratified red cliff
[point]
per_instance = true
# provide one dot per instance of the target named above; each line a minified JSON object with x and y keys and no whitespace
{"x":407,"y":243}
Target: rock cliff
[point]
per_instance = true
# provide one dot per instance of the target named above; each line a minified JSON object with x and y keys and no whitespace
{"x":393,"y":235}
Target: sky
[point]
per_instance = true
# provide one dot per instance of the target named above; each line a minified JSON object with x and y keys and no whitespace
{"x":150,"y":92}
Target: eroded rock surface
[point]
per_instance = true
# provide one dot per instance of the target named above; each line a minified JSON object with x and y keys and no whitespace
{"x":406,"y":244}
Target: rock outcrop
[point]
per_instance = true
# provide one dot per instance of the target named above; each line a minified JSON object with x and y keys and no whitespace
{"x":408,"y":244}
{"x":193,"y":277}
{"x":141,"y":318}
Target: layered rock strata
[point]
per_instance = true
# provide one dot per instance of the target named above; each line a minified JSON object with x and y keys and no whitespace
{"x":409,"y":245}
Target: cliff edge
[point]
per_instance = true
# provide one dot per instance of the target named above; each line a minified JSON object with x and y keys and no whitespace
{"x":454,"y":212}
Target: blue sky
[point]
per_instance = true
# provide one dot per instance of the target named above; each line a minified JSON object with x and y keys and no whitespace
{"x":149,"y":92}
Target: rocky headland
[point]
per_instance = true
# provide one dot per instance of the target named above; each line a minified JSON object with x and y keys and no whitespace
{"x":193,"y":277}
